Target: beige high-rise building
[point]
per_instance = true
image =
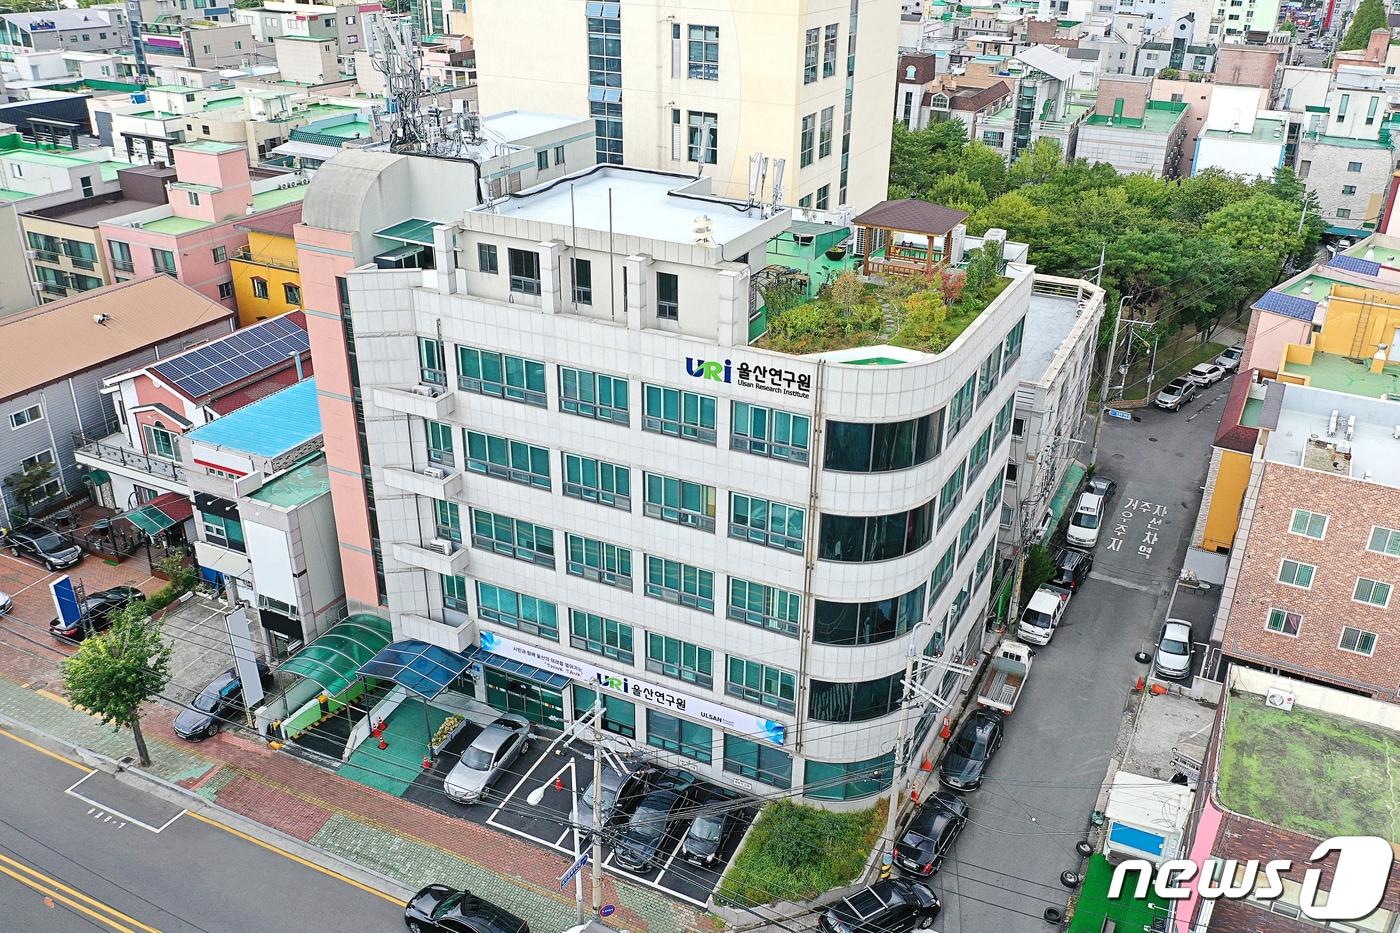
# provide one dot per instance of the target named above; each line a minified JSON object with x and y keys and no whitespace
{"x":673,"y":85}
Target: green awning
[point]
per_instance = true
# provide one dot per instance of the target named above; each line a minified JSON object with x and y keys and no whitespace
{"x":334,"y":659}
{"x":1074,"y":473}
{"x":97,"y":477}
{"x":149,"y":519}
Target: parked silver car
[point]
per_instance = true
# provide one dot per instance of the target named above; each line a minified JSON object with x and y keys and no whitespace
{"x":487,"y":758}
{"x":1175,"y":394}
{"x":1173,"y":657}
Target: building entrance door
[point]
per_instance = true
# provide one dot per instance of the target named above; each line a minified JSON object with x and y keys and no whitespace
{"x":540,"y":705}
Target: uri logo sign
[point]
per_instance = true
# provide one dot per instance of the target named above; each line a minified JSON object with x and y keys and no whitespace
{"x":708,"y":369}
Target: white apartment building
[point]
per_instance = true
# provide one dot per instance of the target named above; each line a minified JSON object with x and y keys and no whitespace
{"x":681,"y":86}
{"x":584,"y":464}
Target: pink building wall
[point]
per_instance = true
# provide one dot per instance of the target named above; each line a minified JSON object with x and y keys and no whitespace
{"x":1267,"y":336}
{"x":331,"y":254}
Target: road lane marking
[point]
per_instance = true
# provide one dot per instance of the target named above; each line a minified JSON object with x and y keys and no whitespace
{"x":114,"y":811}
{"x":51,"y":886}
{"x":296,"y":858}
{"x":1140,"y":587}
{"x":44,"y":751}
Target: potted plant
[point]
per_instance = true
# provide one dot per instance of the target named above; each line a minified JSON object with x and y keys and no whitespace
{"x":837,"y":252}
{"x":449,"y":728}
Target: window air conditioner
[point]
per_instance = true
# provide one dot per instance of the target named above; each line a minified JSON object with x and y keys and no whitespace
{"x":443,"y":546}
{"x":434,"y":472}
{"x":428,"y":391}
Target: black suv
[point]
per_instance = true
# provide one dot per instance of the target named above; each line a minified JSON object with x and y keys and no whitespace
{"x":1071,"y":569}
{"x":894,"y":905}
{"x":96,"y":613}
{"x":55,"y":551}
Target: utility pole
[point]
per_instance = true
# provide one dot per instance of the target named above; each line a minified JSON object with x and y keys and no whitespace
{"x":1107,"y":377}
{"x":1152,"y":368}
{"x":597,"y":857}
{"x":897,"y":779}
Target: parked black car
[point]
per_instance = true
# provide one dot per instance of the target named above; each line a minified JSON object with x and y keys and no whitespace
{"x":709,"y":833}
{"x":218,"y":703}
{"x":894,"y":905}
{"x":1101,"y":486}
{"x":613,"y":803}
{"x":1071,"y":569}
{"x":440,"y":908}
{"x":971,"y":750}
{"x":54,"y":550}
{"x":96,"y":613}
{"x":655,"y":822}
{"x":925,"y":843}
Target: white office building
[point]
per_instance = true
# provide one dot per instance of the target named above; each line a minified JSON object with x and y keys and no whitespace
{"x":587,"y":471}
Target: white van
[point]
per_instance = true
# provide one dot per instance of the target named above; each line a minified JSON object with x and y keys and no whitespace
{"x":1084,"y":524}
{"x":1042,"y":615}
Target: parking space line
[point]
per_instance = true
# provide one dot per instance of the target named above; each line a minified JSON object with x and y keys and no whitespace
{"x":667,"y":867}
{"x":623,"y":873}
{"x":114,"y":811}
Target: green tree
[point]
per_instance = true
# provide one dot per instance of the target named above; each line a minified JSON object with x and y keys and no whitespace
{"x":957,"y":191}
{"x":27,"y":486}
{"x":1038,"y":568}
{"x":1039,"y":164}
{"x":1370,"y":16}
{"x":1013,"y":212}
{"x":112,"y":674}
{"x":984,"y":165}
{"x":847,"y":291}
{"x":919,"y":157}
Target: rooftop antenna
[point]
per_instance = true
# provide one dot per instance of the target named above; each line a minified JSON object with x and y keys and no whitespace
{"x":758,"y":174}
{"x":777,"y":199}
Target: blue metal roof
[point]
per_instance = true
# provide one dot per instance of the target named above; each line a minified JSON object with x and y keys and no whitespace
{"x":1353,"y":264}
{"x":518,"y":668}
{"x":420,"y":667}
{"x":268,"y":427}
{"x":1287,"y":305}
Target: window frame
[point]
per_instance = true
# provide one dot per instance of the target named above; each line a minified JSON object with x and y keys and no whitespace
{"x":738,"y":607}
{"x":656,"y":585}
{"x":515,"y":376}
{"x":750,"y":426}
{"x":1374,"y":585}
{"x":613,"y":564}
{"x":576,"y":404}
{"x":671,"y":506}
{"x":785,"y":682}
{"x":1361,"y":636}
{"x":1293,"y":524}
{"x":1284,"y":617}
{"x":28,"y":419}
{"x":535,"y":457}
{"x":602,"y":495}
{"x":1298,"y":567}
{"x":696,"y":674}
{"x":513,"y":537}
{"x":683,"y":426}
{"x":602,"y":645}
{"x":1392,"y":541}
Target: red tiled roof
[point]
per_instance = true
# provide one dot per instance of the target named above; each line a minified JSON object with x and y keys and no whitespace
{"x":1231,"y":435}
{"x":173,"y":505}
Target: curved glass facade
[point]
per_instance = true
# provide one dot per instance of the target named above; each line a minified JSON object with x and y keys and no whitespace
{"x":875,"y":537}
{"x":867,"y":623}
{"x":847,"y":780}
{"x":853,"y":447}
{"x":855,"y":702}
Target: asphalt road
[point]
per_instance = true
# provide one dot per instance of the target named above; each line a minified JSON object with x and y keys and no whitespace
{"x":1042,"y":787}
{"x":128,"y":861}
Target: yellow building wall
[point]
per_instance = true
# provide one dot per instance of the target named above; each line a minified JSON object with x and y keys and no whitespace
{"x":1223,"y":519}
{"x":273,"y":259}
{"x":1372,"y":312}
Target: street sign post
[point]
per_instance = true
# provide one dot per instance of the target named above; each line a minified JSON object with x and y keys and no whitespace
{"x":1116,"y":413}
{"x":573,"y":870}
{"x":606,"y":910}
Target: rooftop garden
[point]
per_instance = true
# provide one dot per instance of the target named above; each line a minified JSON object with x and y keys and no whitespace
{"x":925,"y":314}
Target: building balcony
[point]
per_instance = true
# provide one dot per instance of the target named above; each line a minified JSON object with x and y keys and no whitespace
{"x":453,"y":637}
{"x":440,"y":556}
{"x":244,"y":254}
{"x":123,"y":265}
{"x":115,"y":450}
{"x":435,"y":482}
{"x":46,"y":255}
{"x":423,"y":401}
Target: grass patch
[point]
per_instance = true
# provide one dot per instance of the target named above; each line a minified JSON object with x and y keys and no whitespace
{"x":1308,"y":771}
{"x":797,"y":852}
{"x":1094,"y":906}
{"x":1168,"y":368}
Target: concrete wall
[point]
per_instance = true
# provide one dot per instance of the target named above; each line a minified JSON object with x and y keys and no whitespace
{"x":1348,"y":180}
{"x":1228,"y":479}
{"x":1267,"y":338}
{"x":15,"y":291}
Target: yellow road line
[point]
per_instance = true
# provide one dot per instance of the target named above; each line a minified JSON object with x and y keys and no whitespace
{"x":295,"y":858}
{"x":56,"y":697}
{"x":44,"y":751}
{"x":51,"y":888}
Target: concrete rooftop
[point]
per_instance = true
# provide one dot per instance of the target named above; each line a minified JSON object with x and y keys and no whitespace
{"x":1304,"y":414}
{"x":304,"y":482}
{"x":646,"y":204}
{"x":1048,"y":323}
{"x":1339,"y":374}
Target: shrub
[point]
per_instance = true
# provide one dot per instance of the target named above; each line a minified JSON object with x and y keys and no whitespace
{"x":444,"y":730}
{"x":797,"y":852}
{"x":847,"y":291}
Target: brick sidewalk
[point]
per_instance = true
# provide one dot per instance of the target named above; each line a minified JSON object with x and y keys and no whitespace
{"x":411,"y":844}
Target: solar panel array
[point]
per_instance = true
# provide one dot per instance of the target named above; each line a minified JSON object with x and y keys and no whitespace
{"x":233,"y":358}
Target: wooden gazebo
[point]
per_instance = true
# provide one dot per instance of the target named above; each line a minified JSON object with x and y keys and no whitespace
{"x":885,"y":221}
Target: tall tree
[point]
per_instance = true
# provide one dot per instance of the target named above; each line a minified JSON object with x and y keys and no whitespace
{"x":1370,"y":16}
{"x":112,"y":674}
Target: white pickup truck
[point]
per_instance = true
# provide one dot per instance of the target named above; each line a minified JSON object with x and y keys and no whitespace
{"x":1011,"y":665}
{"x":1042,"y":615}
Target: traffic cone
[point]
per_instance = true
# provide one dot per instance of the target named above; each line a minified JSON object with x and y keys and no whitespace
{"x":1137,"y":688}
{"x":914,"y":795}
{"x":947,"y":731}
{"x":926,"y":764}
{"x":427,"y":764}
{"x":383,"y":744}
{"x":1158,"y":690}
{"x":558,"y":782}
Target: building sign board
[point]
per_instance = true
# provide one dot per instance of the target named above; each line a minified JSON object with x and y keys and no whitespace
{"x":776,"y":379}
{"x":662,"y":698}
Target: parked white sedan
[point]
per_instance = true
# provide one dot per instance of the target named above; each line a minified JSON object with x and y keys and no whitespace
{"x":1205,"y":374}
{"x":1229,"y":359}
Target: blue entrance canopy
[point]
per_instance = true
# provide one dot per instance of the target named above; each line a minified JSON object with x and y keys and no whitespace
{"x":417,"y":666}
{"x":518,"y":668}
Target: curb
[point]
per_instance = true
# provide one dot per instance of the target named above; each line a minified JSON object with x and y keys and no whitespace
{"x":194,"y":803}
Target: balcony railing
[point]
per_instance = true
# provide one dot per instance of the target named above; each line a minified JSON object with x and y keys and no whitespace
{"x":50,"y":288}
{"x":123,"y":265}
{"x":244,"y":254}
{"x":109,"y":450}
{"x":46,"y":255}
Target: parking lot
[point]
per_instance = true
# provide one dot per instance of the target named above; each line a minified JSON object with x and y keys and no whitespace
{"x":565,"y":770}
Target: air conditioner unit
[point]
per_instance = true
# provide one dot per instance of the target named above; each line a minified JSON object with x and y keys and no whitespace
{"x":443,"y":546}
{"x":427,"y":391}
{"x":434,"y":472}
{"x":1279,"y":699}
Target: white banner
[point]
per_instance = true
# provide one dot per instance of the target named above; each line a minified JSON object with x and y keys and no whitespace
{"x":245,"y":658}
{"x":585,"y":673}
